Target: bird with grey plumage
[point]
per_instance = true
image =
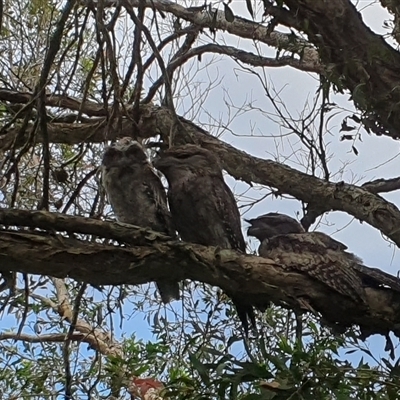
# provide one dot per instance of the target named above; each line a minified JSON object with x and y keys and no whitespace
{"x":137,"y":196}
{"x":284,"y":240}
{"x":203,"y":207}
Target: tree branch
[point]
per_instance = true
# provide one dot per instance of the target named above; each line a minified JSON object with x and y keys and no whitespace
{"x":360,"y":61}
{"x":382,"y":185}
{"x":352,"y":199}
{"x":58,"y":337}
{"x":241,"y":27}
{"x":152,"y":256}
{"x":357,"y":59}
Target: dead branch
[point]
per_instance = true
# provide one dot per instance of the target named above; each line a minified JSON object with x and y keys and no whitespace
{"x":95,"y":337}
{"x":382,"y":185}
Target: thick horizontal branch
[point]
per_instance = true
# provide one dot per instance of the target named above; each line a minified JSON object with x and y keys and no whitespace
{"x":57,"y":337}
{"x":352,"y":199}
{"x":241,"y":27}
{"x":151,"y":257}
{"x":69,"y":133}
{"x":363,"y":204}
{"x":382,"y":185}
{"x":88,"y":226}
{"x":53,"y":100}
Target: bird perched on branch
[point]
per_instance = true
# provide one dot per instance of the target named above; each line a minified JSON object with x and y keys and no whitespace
{"x":203,"y":207}
{"x":137,"y":196}
{"x":284,"y":240}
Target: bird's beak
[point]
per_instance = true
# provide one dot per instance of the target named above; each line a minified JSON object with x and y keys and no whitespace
{"x":251,"y":229}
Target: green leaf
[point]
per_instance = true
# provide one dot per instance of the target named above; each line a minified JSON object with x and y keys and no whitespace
{"x":284,"y":345}
{"x":200,"y":368}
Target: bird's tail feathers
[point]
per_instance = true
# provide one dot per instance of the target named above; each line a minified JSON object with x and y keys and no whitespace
{"x":245,"y":313}
{"x":169,"y":290}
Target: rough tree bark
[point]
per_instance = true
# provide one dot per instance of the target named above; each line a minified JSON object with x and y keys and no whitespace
{"x":369,"y":71}
{"x":148,"y":256}
{"x":328,"y":39}
{"x":362,"y":202}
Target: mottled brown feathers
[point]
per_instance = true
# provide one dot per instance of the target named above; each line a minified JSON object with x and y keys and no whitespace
{"x":317,"y":255}
{"x":203,"y":207}
{"x":137,"y":196}
{"x":272,"y":224}
{"x":307,"y":253}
